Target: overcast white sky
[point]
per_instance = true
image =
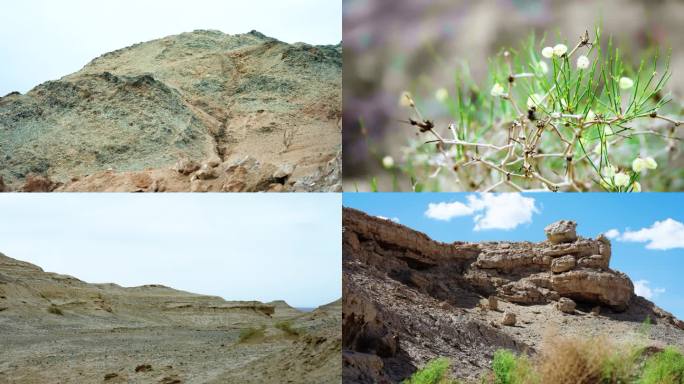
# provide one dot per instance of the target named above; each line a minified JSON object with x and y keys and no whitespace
{"x":238,"y":246}
{"x":44,"y":40}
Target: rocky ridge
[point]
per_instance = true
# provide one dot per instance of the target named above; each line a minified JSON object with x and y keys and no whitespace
{"x":409,"y":299}
{"x":56,"y":327}
{"x":200,"y":111}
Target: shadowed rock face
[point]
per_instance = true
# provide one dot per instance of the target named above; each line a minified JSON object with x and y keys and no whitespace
{"x":125,"y":119}
{"x":408,"y":299}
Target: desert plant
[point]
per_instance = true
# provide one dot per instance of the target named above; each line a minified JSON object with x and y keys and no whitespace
{"x":434,"y":372}
{"x":552,"y":119}
{"x":252,"y":333}
{"x":666,"y":367}
{"x":286,"y":326}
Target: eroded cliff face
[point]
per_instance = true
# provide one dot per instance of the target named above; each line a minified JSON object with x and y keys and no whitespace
{"x":408,"y":299}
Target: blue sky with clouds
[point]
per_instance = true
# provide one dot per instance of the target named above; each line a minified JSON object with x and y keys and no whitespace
{"x":44,"y":40}
{"x":238,"y":246}
{"x":647,"y":228}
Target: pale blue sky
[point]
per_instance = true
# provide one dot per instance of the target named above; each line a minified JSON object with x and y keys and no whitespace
{"x":44,"y":40}
{"x":238,"y":246}
{"x":647,"y":229}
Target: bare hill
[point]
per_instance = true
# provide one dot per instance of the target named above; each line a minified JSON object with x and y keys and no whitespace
{"x":256,"y":113}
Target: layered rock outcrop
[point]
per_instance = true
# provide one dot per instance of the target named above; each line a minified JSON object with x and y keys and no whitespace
{"x":408,"y":299}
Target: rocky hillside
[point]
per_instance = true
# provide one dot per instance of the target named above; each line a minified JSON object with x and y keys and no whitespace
{"x":56,"y":328}
{"x":197,"y":111}
{"x":409,"y":299}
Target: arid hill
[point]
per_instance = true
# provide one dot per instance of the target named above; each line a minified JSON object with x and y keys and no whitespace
{"x":56,"y":328}
{"x":200,"y":111}
{"x":408,"y":299}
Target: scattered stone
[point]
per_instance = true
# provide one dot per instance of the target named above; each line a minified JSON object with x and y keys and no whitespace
{"x":110,"y":376}
{"x":284,"y":171}
{"x":186,"y":166}
{"x":38,"y":183}
{"x":196,"y":186}
{"x":566,"y":305}
{"x":213,"y":161}
{"x":508,"y":319}
{"x":493,"y":303}
{"x":142,"y":180}
{"x":563,"y":264}
{"x":143,"y":368}
{"x":596,"y":310}
{"x":561,"y":232}
{"x":234,"y":186}
{"x":206,"y":172}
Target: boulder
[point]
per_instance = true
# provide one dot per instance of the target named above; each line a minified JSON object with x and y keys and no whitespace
{"x":562,"y":231}
{"x":186,"y":166}
{"x":566,"y":305}
{"x":493,"y":303}
{"x":508,"y":319}
{"x":611,"y":289}
{"x":206,"y":172}
{"x":284,"y":171}
{"x":563,"y":264}
{"x":38,"y":183}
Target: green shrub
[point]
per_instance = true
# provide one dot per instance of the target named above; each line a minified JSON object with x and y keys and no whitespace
{"x":286,"y":326}
{"x":434,"y":372}
{"x":251,"y":334}
{"x":503,"y":365}
{"x":666,"y":367}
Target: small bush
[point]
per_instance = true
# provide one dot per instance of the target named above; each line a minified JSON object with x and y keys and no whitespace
{"x":286,"y":326}
{"x":55,"y":310}
{"x":434,"y":372}
{"x":666,"y":367}
{"x":510,"y":369}
{"x":251,"y":334}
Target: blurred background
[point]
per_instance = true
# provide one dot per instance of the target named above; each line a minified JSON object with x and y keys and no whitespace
{"x":391,"y":46}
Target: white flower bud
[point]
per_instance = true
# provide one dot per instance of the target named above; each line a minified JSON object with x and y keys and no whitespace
{"x":636,"y":187}
{"x":388,"y":162}
{"x":626,"y":83}
{"x":582,"y":62}
{"x":497,"y":90}
{"x":621,"y":179}
{"x":560,"y":49}
{"x":406,"y":100}
{"x":547,"y":52}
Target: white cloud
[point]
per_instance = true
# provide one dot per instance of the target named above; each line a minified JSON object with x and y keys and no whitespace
{"x":662,"y":235}
{"x":494,"y":211}
{"x":643,"y":288}
{"x":447,"y":211}
{"x":612,"y":233}
{"x":395,"y":219}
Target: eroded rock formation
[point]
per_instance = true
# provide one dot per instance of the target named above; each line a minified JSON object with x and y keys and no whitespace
{"x":408,"y":299}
